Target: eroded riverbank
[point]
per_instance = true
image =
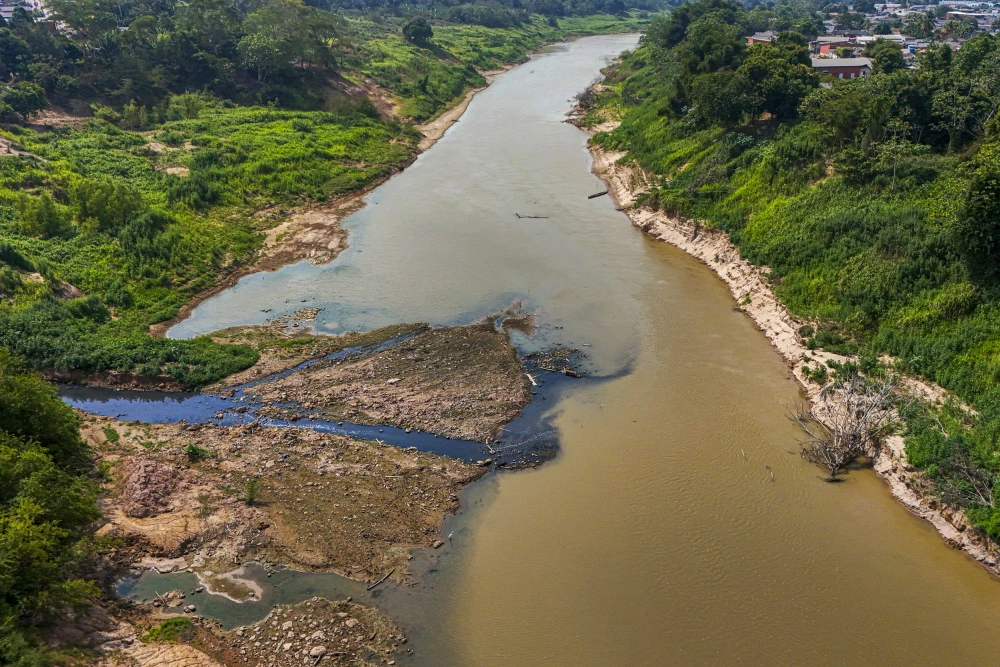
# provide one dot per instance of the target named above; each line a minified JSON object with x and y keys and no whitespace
{"x":751,"y":289}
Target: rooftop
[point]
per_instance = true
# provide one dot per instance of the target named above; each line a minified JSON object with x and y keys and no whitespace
{"x":841,"y":62}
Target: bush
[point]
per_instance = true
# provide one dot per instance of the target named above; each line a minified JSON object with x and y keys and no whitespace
{"x":418,"y":31}
{"x":169,"y":631}
{"x":46,"y":503}
{"x":171,"y":138}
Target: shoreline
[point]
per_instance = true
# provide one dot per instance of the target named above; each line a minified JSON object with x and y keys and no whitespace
{"x":314,"y":233}
{"x":750,"y":289}
{"x":321,"y":238}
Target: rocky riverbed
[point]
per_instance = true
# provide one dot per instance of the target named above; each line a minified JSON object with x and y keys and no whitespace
{"x":461,"y":382}
{"x":211,"y":498}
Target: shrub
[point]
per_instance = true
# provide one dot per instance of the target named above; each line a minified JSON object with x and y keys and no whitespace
{"x":169,"y":631}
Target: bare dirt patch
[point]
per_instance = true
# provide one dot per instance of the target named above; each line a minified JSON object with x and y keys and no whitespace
{"x":147,"y":488}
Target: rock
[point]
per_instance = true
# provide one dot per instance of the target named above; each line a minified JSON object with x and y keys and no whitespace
{"x":148,"y":486}
{"x":438,"y":544}
{"x":286,"y":626}
{"x":189,"y":609}
{"x":351,"y":622}
{"x":317,"y":651}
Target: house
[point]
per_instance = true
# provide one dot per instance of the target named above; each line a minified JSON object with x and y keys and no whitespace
{"x":761,"y":37}
{"x":898,"y":40}
{"x":826,"y":44}
{"x":843,"y":68}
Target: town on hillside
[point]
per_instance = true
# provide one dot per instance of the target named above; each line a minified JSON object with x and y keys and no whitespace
{"x":851,"y":36}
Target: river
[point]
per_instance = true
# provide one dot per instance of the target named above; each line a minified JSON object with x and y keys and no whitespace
{"x":678,"y":524}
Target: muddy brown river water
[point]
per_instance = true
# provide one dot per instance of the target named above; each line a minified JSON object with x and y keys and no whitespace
{"x":657,"y":536}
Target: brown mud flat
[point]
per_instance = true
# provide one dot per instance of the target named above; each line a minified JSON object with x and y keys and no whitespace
{"x":461,"y":382}
{"x":324,"y":502}
{"x":281,"y":350}
{"x":751,"y":288}
{"x":114,"y":380}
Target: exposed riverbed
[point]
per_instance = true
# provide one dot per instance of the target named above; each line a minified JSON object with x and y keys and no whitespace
{"x":678,"y":525}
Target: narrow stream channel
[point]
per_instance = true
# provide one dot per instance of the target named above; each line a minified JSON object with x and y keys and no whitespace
{"x":657,"y":536}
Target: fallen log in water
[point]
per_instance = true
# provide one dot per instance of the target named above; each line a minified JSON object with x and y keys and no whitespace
{"x":597,"y":194}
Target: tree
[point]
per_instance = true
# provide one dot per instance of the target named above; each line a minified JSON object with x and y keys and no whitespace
{"x":15,"y":54}
{"x":262,"y":54}
{"x":106,"y":205}
{"x":882,"y":29}
{"x":711,"y":45}
{"x":45,"y":506}
{"x":849,"y":21}
{"x":886,"y":56}
{"x":921,"y":26}
{"x":42,"y":217}
{"x":418,"y":31}
{"x":855,"y":414}
{"x":979,"y":228}
{"x":773,"y":79}
{"x":25,"y":98}
{"x":30,"y":408}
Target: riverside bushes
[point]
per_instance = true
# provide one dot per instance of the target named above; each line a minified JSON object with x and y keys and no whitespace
{"x":139,"y":242}
{"x":873,"y":201}
{"x":46,"y":503}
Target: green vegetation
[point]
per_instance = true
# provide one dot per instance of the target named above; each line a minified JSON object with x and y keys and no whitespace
{"x":195,"y":453}
{"x":111,"y":227}
{"x":875,"y":202}
{"x":181,"y":132}
{"x":46,"y":502}
{"x":169,"y":631}
{"x":251,"y":491}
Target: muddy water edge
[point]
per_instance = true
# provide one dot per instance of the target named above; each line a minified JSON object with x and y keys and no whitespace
{"x":678,"y":525}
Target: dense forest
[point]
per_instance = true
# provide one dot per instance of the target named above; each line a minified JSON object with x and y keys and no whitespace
{"x":875,"y":202}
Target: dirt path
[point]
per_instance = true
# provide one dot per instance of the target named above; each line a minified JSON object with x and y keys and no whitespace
{"x":751,"y":289}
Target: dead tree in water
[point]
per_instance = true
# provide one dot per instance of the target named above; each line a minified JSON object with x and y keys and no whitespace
{"x":855,"y":415}
{"x":587,"y":98}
